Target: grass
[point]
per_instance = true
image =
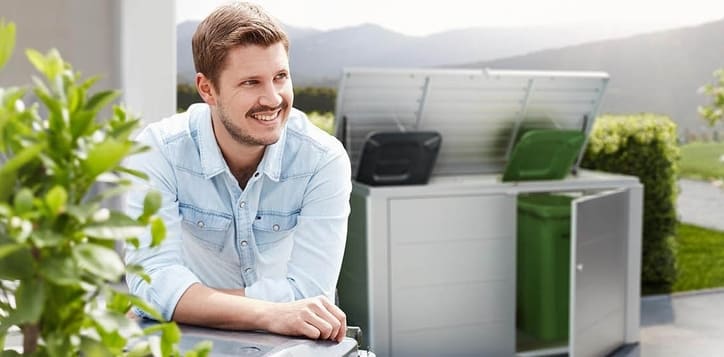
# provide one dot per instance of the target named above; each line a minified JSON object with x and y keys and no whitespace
{"x":700,"y":257}
{"x":701,"y":160}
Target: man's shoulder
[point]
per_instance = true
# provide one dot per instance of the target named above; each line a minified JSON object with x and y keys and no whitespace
{"x":177,"y":126}
{"x":302,"y":132}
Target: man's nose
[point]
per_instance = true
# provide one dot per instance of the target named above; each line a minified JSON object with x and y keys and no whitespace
{"x":271,"y":97}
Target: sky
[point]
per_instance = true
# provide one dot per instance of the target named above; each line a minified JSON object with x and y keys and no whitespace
{"x":419,"y":18}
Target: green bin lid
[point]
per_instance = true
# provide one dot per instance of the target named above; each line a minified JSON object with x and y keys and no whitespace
{"x":545,"y":154}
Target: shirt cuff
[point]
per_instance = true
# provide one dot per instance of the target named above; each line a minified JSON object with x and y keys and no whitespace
{"x":168,"y":286}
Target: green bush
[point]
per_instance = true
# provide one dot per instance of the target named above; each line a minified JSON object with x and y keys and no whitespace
{"x":644,"y":145}
{"x":315,"y":99}
{"x":324,"y":121}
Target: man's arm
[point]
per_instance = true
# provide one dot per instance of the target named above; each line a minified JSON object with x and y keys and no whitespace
{"x":315,"y":318}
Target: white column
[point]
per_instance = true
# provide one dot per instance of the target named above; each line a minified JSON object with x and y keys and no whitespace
{"x":148,"y":57}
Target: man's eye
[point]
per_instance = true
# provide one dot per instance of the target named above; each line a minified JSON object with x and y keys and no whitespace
{"x":249,"y":83}
{"x":282,"y":76}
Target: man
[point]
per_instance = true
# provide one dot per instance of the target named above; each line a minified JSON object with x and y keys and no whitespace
{"x":255,"y":198}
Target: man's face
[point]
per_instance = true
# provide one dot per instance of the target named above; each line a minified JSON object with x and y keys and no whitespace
{"x":255,"y":94}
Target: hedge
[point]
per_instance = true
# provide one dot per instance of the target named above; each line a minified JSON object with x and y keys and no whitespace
{"x":645,"y":146}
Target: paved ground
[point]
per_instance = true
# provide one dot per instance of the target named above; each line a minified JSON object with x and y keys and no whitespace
{"x":701,"y":203}
{"x":688,"y":324}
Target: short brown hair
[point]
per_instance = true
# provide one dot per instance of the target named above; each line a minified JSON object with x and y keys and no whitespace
{"x":229,"y":26}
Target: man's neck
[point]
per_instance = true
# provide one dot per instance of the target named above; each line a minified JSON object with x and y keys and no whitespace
{"x":242,"y":159}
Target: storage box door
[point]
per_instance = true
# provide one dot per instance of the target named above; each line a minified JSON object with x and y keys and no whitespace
{"x":599,"y":227}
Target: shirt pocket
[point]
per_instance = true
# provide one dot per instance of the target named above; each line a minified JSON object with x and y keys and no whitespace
{"x":271,"y":228}
{"x":209,"y":229}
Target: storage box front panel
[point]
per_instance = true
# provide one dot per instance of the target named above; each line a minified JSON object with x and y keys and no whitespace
{"x":452,"y":275}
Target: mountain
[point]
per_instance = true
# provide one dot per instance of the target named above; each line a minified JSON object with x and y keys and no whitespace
{"x":317,"y":57}
{"x":657,"y":72}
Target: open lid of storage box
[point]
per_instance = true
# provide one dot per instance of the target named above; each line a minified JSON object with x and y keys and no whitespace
{"x":479,"y":113}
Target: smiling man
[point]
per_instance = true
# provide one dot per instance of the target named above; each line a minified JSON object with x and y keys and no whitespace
{"x":255,"y":197}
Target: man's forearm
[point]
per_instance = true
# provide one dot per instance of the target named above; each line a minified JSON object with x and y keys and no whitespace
{"x":220,"y":308}
{"x":316,"y":317}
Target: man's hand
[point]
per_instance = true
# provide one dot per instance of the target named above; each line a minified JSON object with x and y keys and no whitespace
{"x":315,"y":318}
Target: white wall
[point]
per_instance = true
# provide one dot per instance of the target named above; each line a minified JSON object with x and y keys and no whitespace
{"x":148,"y":57}
{"x":131,"y":44}
{"x":84,"y":31}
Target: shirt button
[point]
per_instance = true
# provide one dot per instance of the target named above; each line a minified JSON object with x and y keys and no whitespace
{"x":275,"y":228}
{"x":200,"y":224}
{"x":247,"y":270}
{"x":256,"y":174}
{"x":242,"y":204}
{"x":244,"y":243}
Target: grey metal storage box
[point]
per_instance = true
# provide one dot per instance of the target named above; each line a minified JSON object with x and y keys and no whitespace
{"x":430,"y":270}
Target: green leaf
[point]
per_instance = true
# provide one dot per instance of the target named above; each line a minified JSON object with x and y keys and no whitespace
{"x":101,"y":99}
{"x":99,"y":261}
{"x":60,"y":271}
{"x":7,"y":184}
{"x":92,"y":347}
{"x":139,"y":174}
{"x":117,"y":227}
{"x":141,"y":349}
{"x":56,"y":199}
{"x":201,"y":349}
{"x":37,"y":60}
{"x":170,"y":335}
{"x":138,"y":270}
{"x":105,"y":156}
{"x":47,"y":238}
{"x":7,"y":249}
{"x":118,"y":302}
{"x":158,"y":231}
{"x":29,"y":300}
{"x":7,"y":41}
{"x":143,"y":305}
{"x":80,"y":122}
{"x":23,"y":201}
{"x":20,"y":159}
{"x":51,"y":64}
{"x":82,"y":212}
{"x":151,"y":203}
{"x":18,"y":264}
{"x":111,"y":321}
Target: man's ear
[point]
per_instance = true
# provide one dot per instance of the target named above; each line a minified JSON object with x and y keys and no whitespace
{"x":205,"y":89}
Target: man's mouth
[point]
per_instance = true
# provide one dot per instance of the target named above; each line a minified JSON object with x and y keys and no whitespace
{"x":266,"y":116}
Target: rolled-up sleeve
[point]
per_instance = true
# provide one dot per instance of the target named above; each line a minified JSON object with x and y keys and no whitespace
{"x":164,"y":264}
{"x":319,"y":237}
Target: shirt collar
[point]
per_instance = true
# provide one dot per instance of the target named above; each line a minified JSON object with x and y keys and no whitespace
{"x":212,"y":161}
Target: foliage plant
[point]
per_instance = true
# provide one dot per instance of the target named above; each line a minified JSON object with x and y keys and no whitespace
{"x":644,"y":145}
{"x":714,"y":112}
{"x":58,"y":266}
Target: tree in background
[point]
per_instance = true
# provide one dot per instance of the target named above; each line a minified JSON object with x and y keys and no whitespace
{"x":315,"y":99}
{"x":714,"y":112}
{"x":186,"y":95}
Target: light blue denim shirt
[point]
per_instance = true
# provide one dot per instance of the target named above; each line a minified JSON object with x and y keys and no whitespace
{"x":282,"y":238}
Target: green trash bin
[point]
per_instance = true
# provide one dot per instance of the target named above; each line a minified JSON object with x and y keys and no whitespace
{"x":543,"y":246}
{"x":543,"y":266}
